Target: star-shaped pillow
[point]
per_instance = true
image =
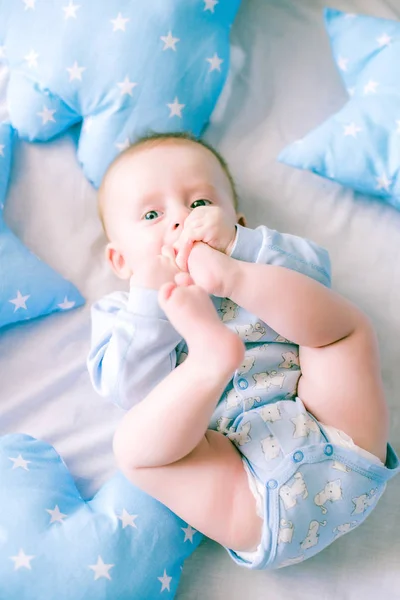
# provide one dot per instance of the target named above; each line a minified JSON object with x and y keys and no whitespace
{"x":124,"y":67}
{"x":359,"y":146}
{"x":28,"y":287}
{"x":121,"y":545}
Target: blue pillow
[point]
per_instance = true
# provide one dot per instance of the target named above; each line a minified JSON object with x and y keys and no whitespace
{"x":359,"y":146}
{"x":28,"y":287}
{"x":125,"y":67}
{"x":121,"y":545}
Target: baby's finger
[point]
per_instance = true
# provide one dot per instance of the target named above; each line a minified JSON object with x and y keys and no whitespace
{"x":183,"y":254}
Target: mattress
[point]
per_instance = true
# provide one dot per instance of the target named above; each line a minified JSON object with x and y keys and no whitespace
{"x":286,"y":84}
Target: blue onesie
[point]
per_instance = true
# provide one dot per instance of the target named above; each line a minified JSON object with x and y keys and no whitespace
{"x":313,"y":490}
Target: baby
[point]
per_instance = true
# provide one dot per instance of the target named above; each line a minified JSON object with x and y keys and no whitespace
{"x":204,"y":351}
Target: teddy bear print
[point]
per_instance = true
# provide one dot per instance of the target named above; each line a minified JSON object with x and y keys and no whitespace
{"x":312,"y":536}
{"x":270,"y":447}
{"x":247,"y":364}
{"x":270,"y":413}
{"x":228,"y":310}
{"x":250,"y":402}
{"x":250,"y":333}
{"x":241,"y":437}
{"x":286,"y":531}
{"x":361,"y":503}
{"x":304,"y":425}
{"x":290,"y":360}
{"x":232,"y":399}
{"x":344,"y":528}
{"x":332,"y":492}
{"x":223,"y":424}
{"x":340,"y":466}
{"x":266,"y":380}
{"x":260,"y":348}
{"x":289,"y":493}
{"x":282,"y":340}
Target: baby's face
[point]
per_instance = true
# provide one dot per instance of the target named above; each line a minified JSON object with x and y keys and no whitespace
{"x":150,"y":193}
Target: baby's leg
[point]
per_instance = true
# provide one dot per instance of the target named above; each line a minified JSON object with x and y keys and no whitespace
{"x":162,"y":444}
{"x":341,"y":382}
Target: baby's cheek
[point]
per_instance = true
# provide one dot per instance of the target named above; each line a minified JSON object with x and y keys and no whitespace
{"x":146,"y":245}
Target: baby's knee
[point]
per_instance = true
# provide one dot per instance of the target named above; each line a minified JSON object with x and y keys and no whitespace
{"x":364,"y":331}
{"x":124,"y":458}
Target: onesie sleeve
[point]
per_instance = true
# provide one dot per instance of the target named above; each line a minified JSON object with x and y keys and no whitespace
{"x":267,"y":246}
{"x":132,"y":346}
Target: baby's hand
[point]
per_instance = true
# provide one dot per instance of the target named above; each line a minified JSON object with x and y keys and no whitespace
{"x":212,"y":270}
{"x":156,"y":271}
{"x":207,"y":224}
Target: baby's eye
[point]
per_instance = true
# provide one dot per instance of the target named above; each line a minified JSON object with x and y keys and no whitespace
{"x":151,"y":215}
{"x":201,"y":202}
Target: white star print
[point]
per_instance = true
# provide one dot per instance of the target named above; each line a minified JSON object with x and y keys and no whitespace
{"x":169,"y":41}
{"x":175,"y":108}
{"x":189,"y":533}
{"x":2,"y":146}
{"x":70,"y":10}
{"x":383,"y":182}
{"x":127,"y":519}
{"x":342,"y":63}
{"x":119,"y":23}
{"x":384,"y":40}
{"x":2,"y":51}
{"x":370,"y":88}
{"x":29,"y":4}
{"x":47,"y":115}
{"x":351,"y":91}
{"x":123,"y":145}
{"x":126,"y":86}
{"x":56,"y":515}
{"x":165,"y":581}
{"x":101,"y":569}
{"x":31,"y":58}
{"x":66,"y":304}
{"x":350,"y":15}
{"x":210,"y":4}
{"x":20,"y":462}
{"x":19,"y":301}
{"x":75,"y":72}
{"x":352,"y":130}
{"x":22,"y":560}
{"x":215,"y":63}
{"x":397,"y":123}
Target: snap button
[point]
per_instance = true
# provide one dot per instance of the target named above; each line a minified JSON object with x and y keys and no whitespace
{"x":298,"y":456}
{"x":243,"y":384}
{"x":328,"y":450}
{"x":272,"y":484}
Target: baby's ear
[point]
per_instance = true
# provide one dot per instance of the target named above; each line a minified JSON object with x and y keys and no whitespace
{"x":241,"y":219}
{"x":117,"y":262}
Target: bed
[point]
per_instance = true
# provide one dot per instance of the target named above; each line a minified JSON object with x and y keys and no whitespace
{"x":287,"y":84}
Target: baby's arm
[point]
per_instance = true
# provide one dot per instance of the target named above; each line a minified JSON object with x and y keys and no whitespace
{"x":133,"y":346}
{"x":269,"y":247}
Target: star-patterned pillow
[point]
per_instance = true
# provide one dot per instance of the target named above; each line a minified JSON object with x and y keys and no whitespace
{"x":124,"y":68}
{"x":359,"y":146}
{"x":121,"y":544}
{"x":28,"y":287}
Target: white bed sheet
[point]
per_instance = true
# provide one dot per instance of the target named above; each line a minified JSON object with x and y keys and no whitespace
{"x":288,"y":85}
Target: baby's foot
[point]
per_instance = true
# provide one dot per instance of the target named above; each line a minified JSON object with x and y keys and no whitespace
{"x":211,"y":344}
